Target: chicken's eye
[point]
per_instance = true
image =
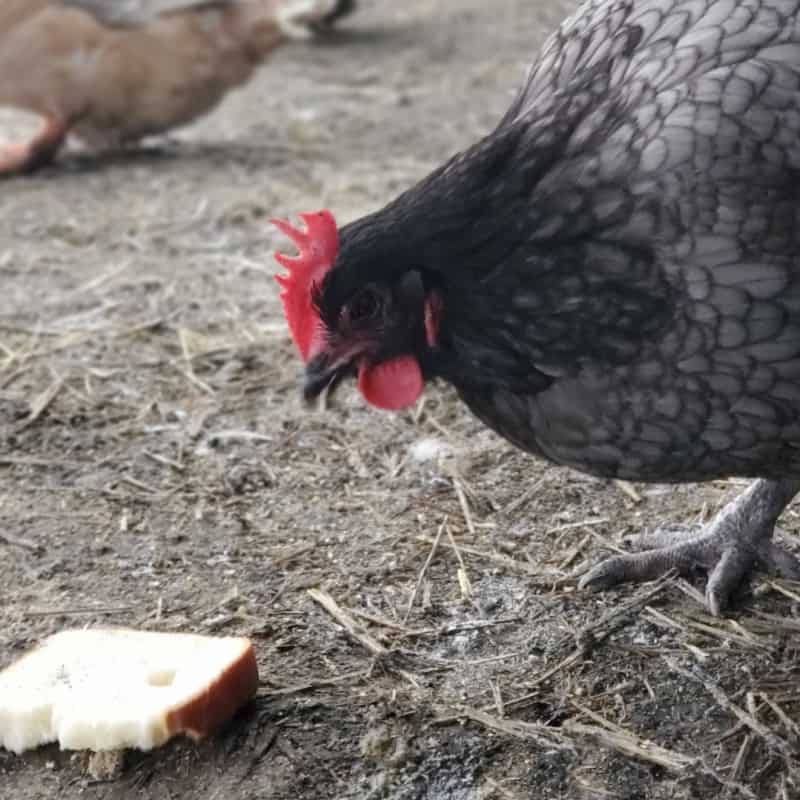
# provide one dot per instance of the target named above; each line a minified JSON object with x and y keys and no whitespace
{"x":365,"y":305}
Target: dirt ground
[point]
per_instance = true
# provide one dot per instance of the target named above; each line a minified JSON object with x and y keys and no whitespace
{"x":158,"y":470}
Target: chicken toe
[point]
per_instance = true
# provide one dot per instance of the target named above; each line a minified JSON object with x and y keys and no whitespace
{"x":736,"y":541}
{"x":23,"y":157}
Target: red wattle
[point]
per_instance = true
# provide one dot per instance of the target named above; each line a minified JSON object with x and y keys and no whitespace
{"x":392,"y":384}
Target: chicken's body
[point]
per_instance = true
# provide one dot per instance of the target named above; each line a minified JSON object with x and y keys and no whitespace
{"x":113,"y":72}
{"x":617,"y":266}
{"x":649,"y":308}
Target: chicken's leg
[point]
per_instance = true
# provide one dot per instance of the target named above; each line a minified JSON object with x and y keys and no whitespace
{"x":28,"y":156}
{"x":738,"y":539}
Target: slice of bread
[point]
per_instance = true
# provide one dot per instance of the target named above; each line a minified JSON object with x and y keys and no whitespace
{"x":111,"y":688}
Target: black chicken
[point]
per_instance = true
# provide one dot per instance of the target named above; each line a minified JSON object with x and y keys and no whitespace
{"x":611,"y":278}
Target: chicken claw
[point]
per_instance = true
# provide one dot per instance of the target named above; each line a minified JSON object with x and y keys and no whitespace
{"x":736,"y":541}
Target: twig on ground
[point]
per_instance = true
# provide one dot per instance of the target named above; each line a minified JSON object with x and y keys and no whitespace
{"x":41,"y":403}
{"x":529,"y":731}
{"x":736,"y":768}
{"x":77,"y":612}
{"x":356,"y":631}
{"x":616,"y":738}
{"x":586,"y":638}
{"x":458,"y":627}
{"x":15,"y":541}
{"x":353,"y":629}
{"x":464,"y":503}
{"x":463,"y":578}
{"x":771,"y":739}
{"x":542,"y":577}
{"x":628,"y":489}
{"x":424,"y":569}
{"x":311,"y":685}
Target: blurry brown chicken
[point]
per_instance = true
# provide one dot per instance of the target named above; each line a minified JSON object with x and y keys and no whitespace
{"x":610,"y":278}
{"x":114,"y":71}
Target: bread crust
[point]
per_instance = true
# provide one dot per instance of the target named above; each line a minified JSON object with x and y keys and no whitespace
{"x":209,"y":710}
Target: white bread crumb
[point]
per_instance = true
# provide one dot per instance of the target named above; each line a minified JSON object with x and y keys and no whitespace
{"x":108,"y":689}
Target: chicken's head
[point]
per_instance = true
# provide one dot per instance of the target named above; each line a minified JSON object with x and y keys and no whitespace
{"x":376,"y":326}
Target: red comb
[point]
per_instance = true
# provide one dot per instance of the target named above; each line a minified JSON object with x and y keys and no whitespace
{"x":317,"y":247}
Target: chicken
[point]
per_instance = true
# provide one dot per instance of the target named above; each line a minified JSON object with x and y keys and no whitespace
{"x":114,"y":71}
{"x":610,"y":279}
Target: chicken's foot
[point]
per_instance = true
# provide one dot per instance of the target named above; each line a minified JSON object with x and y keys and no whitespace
{"x":40,"y":150}
{"x":735,"y":542}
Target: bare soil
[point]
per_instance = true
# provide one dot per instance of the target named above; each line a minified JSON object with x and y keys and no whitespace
{"x":158,"y":470}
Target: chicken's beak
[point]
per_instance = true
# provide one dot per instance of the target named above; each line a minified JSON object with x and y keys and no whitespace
{"x":322,"y":373}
